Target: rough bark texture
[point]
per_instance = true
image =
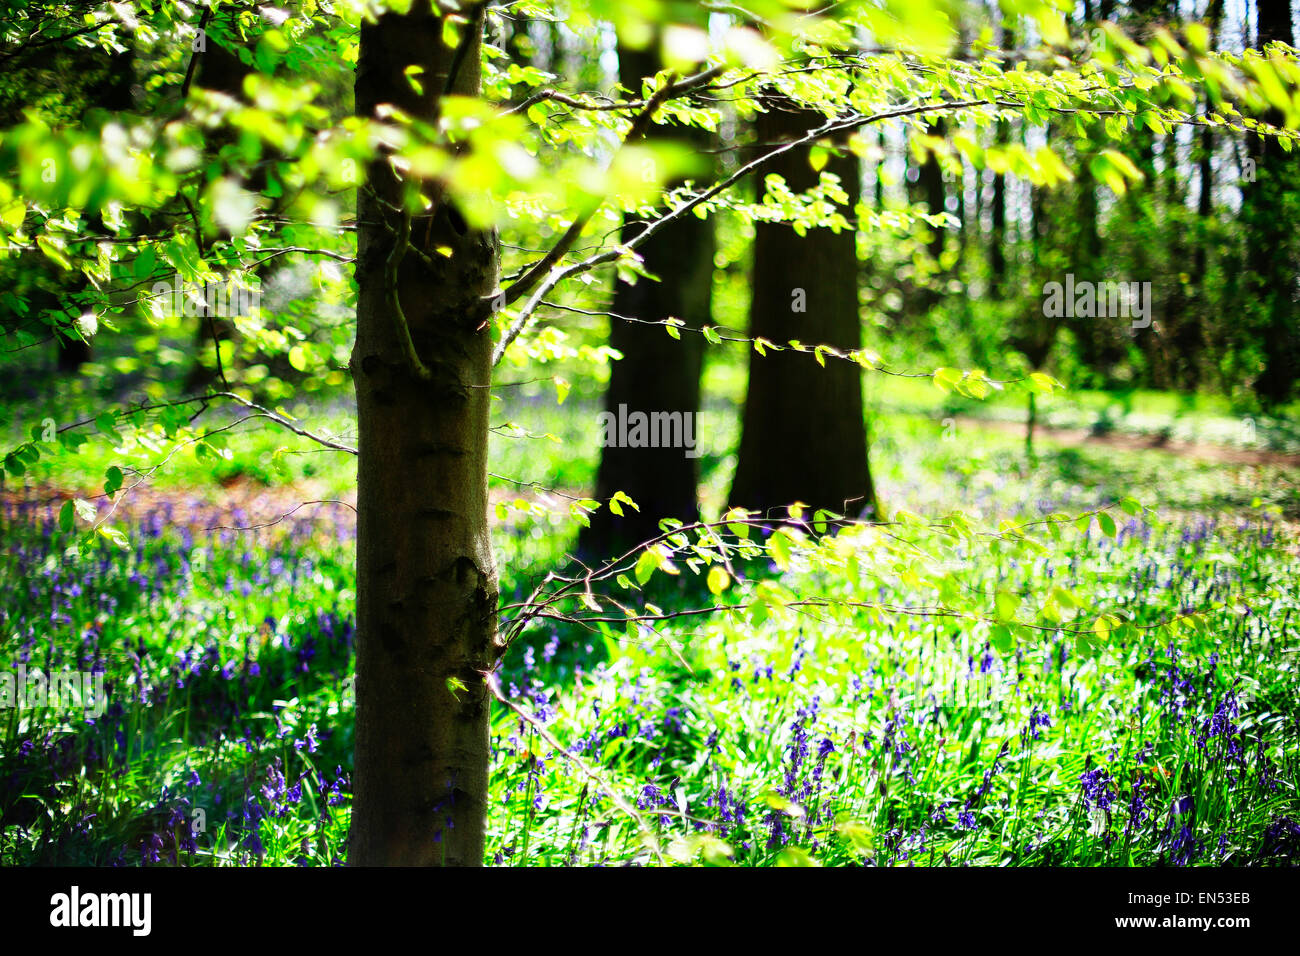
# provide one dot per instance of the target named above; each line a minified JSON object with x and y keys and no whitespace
{"x":803,"y":436}
{"x":657,"y":373}
{"x":426,"y":581}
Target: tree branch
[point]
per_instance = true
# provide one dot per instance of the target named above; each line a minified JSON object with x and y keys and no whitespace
{"x":557,"y":276}
{"x":670,"y":90}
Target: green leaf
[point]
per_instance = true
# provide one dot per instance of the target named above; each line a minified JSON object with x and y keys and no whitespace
{"x":112,"y":480}
{"x":616,"y":503}
{"x":1106,"y":523}
{"x":53,"y":251}
{"x":735,"y":519}
{"x":13,"y":214}
{"x":718,"y":579}
{"x":145,"y":260}
{"x":1043,"y":384}
{"x":115,"y":536}
{"x":1000,"y":636}
{"x":647,"y":564}
{"x":946,"y":378}
{"x":1008,"y":602}
{"x":779,"y":547}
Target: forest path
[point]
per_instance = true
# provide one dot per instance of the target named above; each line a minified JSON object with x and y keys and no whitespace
{"x":1204,"y":451}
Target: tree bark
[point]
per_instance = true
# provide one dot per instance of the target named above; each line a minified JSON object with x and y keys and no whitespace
{"x":803,"y":435}
{"x":426,"y":581}
{"x":656,"y":373}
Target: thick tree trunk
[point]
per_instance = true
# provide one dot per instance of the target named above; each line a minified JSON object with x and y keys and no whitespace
{"x":656,"y":373}
{"x":803,"y":436}
{"x":426,"y":581}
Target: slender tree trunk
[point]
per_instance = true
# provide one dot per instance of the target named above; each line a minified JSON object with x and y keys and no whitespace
{"x":1201,"y":256}
{"x":998,"y":201}
{"x":1039,"y":220}
{"x":1184,"y":331}
{"x":963,"y":214}
{"x":998,"y":230}
{"x":656,"y":373}
{"x":1096,"y":346}
{"x":1198,"y":315}
{"x":1031,"y":425}
{"x":113,"y":94}
{"x":1270,"y":258}
{"x":879,"y":180}
{"x":803,"y":436}
{"x":221,"y":70}
{"x":426,"y":581}
{"x":518,"y":44}
{"x":935,"y":194}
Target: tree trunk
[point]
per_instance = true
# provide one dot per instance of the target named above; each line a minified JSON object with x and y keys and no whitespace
{"x":426,"y":581}
{"x":73,"y":353}
{"x":113,"y":93}
{"x":1198,"y":315}
{"x":222,"y":70}
{"x":998,"y":223}
{"x":1270,"y":257}
{"x":803,"y":436}
{"x":935,"y":193}
{"x":656,"y":373}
